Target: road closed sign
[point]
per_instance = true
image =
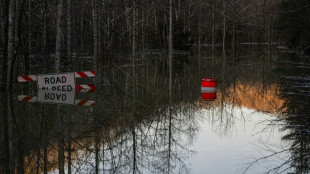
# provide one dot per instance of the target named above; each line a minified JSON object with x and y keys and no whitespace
{"x":57,"y":82}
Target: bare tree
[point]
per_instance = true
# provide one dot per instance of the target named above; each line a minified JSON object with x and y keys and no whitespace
{"x":170,"y":47}
{"x":27,"y":57}
{"x":10,"y":36}
{"x":95,"y":33}
{"x":58,"y":36}
{"x":133,"y":48}
{"x":69,"y":44}
{"x":224,"y":39}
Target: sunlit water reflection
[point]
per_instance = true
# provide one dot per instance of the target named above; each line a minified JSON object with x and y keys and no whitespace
{"x":237,"y":140}
{"x":229,"y":145}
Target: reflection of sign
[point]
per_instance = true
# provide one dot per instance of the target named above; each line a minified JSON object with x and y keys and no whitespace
{"x":57,"y":82}
{"x":85,"y":103}
{"x":26,"y":98}
{"x":34,"y":99}
{"x":50,"y":96}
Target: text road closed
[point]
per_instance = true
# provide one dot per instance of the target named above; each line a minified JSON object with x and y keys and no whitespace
{"x":57,"y":82}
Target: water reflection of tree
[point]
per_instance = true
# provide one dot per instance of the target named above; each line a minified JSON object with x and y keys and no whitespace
{"x":297,"y":121}
{"x":296,"y":94}
{"x":150,"y":138}
{"x":149,"y":144}
{"x":295,"y":111}
{"x":114,"y":137}
{"x":222,"y":112}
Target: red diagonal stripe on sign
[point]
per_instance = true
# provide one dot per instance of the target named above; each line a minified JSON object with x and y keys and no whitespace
{"x":85,"y":90}
{"x":93,"y":72}
{"x":82,"y":74}
{"x":93,"y":104}
{"x":27,"y":98}
{"x":89,"y":87}
{"x":81,"y":103}
{"x":27,"y":78}
{"x":78,"y":87}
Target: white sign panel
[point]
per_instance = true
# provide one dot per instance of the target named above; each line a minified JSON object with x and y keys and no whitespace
{"x":60,"y":97}
{"x":57,"y":82}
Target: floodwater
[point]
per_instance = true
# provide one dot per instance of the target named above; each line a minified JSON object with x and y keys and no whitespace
{"x":258,"y":123}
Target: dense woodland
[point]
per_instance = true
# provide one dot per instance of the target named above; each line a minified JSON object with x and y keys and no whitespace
{"x":56,"y":33}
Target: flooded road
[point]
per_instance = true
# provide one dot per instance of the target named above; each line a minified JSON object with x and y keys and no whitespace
{"x":258,"y":123}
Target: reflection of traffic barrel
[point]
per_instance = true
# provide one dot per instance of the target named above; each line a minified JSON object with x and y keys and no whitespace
{"x":208,"y":89}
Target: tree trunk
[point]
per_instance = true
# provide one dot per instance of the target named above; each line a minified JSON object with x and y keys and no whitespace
{"x":57,"y":68}
{"x":44,"y":37}
{"x":27,"y":57}
{"x":16,"y":20}
{"x":69,"y":33}
{"x":133,"y":49}
{"x":5,"y":9}
{"x":234,"y":52}
{"x":95,"y":33}
{"x":170,"y":123}
{"x":199,"y":39}
{"x":69,"y":142}
{"x":38,"y":159}
{"x":224,"y":38}
{"x":82,"y":29}
{"x":10,"y":40}
{"x":170,"y":47}
{"x":133,"y":57}
{"x":18,"y":34}
{"x":11,"y":136}
{"x":4,"y":133}
{"x":97,"y":151}
{"x":58,"y":36}
{"x":134,"y":150}
{"x":61,"y":156}
{"x":142,"y":36}
{"x":2,"y":4}
{"x":213,"y":37}
{"x":45,"y":153}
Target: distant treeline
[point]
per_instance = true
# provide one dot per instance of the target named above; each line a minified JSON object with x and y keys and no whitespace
{"x":102,"y":27}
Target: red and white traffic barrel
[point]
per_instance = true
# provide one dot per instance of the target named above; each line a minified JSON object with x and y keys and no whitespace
{"x":208,"y":89}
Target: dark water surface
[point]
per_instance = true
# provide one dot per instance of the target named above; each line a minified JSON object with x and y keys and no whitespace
{"x":259,"y":122}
